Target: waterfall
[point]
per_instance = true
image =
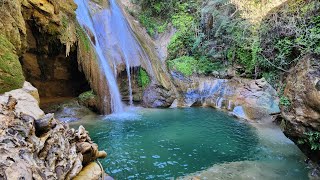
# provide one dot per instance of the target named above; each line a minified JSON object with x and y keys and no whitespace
{"x":119,"y":41}
{"x":85,"y":20}
{"x":117,"y":46}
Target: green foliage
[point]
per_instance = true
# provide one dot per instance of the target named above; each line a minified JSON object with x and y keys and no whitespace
{"x":182,"y":21}
{"x":152,"y":24}
{"x":272,"y":77}
{"x":143,"y":78}
{"x":148,"y":22}
{"x":309,"y":41}
{"x":180,"y":44}
{"x":205,"y":66}
{"x":156,"y":14}
{"x":263,"y":49}
{"x":284,"y":101}
{"x":284,"y":48}
{"x":189,"y":65}
{"x":11,"y":75}
{"x":185,"y":64}
{"x":312,"y":139}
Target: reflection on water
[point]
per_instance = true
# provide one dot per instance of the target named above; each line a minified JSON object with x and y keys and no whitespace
{"x":166,"y":143}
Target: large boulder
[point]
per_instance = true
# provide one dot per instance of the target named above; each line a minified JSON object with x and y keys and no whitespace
{"x":27,"y":100}
{"x":157,"y":96}
{"x":302,"y":115}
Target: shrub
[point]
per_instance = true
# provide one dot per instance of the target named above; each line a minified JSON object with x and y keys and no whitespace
{"x":143,"y":78}
{"x":206,"y":66}
{"x":284,"y":101}
{"x":313,"y":139}
{"x":185,"y":64}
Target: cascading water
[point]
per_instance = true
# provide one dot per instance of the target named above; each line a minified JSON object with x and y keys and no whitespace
{"x":85,"y":20}
{"x":119,"y":42}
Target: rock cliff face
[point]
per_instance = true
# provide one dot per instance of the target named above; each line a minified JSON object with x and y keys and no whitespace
{"x":37,"y":146}
{"x":50,"y":62}
{"x":302,"y":117}
{"x":42,"y":35}
{"x":54,"y":53}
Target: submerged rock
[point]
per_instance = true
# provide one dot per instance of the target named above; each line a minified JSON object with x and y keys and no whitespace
{"x":37,"y":146}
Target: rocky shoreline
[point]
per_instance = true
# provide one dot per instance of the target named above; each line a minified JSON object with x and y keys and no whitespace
{"x":40,"y":146}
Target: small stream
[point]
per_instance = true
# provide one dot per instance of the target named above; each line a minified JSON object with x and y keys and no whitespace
{"x":172,"y":143}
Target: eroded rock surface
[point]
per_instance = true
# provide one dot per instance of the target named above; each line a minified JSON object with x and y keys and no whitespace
{"x":37,"y":146}
{"x":302,"y":116}
{"x":249,"y":99}
{"x":156,"y":96}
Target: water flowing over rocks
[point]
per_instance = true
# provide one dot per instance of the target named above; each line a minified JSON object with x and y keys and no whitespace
{"x":37,"y":146}
{"x":302,"y":116}
{"x":245,"y":98}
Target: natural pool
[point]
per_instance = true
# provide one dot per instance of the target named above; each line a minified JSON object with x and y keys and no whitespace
{"x":171,"y":143}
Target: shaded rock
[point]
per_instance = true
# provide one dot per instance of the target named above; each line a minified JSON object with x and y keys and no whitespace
{"x":45,"y":124}
{"x":157,"y":96}
{"x":303,"y":114}
{"x":50,"y":60}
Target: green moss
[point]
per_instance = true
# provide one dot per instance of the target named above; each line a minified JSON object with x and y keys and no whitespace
{"x":86,"y":96}
{"x":64,"y":21}
{"x":11,"y":75}
{"x":185,"y":64}
{"x":83,"y":38}
{"x":143,"y":78}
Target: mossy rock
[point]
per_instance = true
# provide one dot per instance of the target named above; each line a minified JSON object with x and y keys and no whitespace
{"x":11,"y":74}
{"x":90,"y":100}
{"x":87,"y":96}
